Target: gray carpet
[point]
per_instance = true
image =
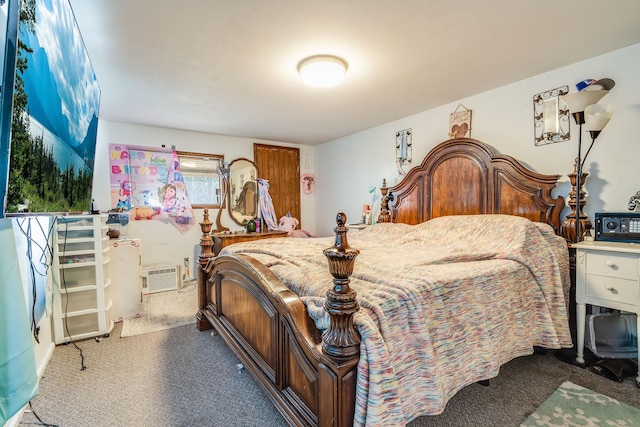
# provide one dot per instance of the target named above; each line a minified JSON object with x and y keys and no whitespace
{"x":183,"y":377}
{"x":522,"y":385}
{"x":163,"y":310}
{"x":173,"y":377}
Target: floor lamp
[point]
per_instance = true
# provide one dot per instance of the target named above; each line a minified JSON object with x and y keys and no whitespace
{"x":585,"y":109}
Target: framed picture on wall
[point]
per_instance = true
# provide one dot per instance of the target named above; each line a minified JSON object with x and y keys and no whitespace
{"x":460,"y":123}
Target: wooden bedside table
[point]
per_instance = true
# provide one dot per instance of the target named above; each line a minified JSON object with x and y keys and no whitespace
{"x":607,"y":275}
{"x":220,"y":240}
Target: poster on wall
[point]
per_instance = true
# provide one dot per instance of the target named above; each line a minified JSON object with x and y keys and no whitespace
{"x":147,"y":183}
{"x":55,"y":114}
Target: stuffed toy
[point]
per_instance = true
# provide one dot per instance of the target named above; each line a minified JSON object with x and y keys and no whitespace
{"x":147,"y":212}
{"x":289,"y":224}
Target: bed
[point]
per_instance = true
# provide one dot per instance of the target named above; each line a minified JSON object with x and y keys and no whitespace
{"x":348,"y":330}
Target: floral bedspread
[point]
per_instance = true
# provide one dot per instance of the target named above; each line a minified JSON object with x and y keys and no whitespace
{"x":443,"y":304}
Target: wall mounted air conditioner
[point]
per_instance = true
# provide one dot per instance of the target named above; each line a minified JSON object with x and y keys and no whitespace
{"x":160,"y":279}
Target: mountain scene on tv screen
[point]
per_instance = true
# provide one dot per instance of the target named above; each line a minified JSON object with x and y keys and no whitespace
{"x":55,"y":113}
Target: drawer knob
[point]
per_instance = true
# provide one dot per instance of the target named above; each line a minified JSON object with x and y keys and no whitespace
{"x":610,"y":288}
{"x":610,"y":264}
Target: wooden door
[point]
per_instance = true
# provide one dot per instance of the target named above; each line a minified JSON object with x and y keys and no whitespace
{"x":281,"y":167}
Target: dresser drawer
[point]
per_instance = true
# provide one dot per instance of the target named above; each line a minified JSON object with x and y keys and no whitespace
{"x":612,"y":264}
{"x":612,"y":289}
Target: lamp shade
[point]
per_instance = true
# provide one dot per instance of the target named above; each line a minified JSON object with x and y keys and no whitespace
{"x":322,"y":71}
{"x":578,"y":101}
{"x":596,"y":116}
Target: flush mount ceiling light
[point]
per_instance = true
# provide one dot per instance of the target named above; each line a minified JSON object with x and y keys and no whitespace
{"x":322,"y":71}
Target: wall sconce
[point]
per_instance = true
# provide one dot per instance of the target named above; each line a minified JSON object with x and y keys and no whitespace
{"x":403,"y":149}
{"x":584,"y":108}
{"x":550,"y":117}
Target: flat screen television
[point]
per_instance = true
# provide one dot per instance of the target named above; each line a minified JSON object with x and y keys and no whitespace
{"x":55,"y":113}
{"x":8,"y":42}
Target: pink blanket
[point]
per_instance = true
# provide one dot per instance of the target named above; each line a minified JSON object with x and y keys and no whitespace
{"x":443,"y":304}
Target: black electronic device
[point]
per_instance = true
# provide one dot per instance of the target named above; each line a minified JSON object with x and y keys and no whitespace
{"x":618,"y":227}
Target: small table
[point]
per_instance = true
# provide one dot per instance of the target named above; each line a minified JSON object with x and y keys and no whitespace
{"x":220,"y":240}
{"x":607,"y":275}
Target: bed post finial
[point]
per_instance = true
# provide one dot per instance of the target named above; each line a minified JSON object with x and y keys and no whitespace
{"x":206,"y":242}
{"x":341,"y":339}
{"x":385,"y":216}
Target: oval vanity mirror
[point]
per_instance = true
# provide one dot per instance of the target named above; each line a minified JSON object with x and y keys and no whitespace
{"x":243,"y":191}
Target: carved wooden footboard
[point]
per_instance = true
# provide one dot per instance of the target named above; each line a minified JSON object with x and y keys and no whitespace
{"x":310,"y":378}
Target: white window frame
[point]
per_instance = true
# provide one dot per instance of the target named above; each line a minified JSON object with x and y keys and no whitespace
{"x":204,"y":166}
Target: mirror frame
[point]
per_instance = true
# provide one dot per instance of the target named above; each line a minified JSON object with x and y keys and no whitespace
{"x":551,"y":116}
{"x":238,"y":186}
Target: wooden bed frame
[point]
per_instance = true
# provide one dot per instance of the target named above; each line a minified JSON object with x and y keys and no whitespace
{"x":467,"y":177}
{"x":311,"y":377}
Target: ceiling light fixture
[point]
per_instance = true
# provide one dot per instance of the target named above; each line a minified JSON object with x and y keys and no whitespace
{"x":322,"y":71}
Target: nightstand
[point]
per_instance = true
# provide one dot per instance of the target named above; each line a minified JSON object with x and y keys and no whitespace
{"x":357,"y":227}
{"x":607,"y":275}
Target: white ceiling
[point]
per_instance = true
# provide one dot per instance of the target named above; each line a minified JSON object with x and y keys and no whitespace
{"x":229,"y":67}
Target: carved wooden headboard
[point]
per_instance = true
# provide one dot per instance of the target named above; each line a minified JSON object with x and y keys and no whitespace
{"x":467,"y":177}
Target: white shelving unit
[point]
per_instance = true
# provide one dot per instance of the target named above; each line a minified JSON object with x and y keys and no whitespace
{"x":82,"y":288}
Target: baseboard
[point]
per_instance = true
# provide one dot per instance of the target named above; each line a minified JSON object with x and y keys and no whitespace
{"x":45,"y":360}
{"x":15,"y":420}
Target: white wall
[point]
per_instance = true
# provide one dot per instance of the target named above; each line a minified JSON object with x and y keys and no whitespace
{"x":36,"y":228}
{"x":345,"y":168}
{"x":43,"y":347}
{"x":503,"y":118}
{"x":163,"y":243}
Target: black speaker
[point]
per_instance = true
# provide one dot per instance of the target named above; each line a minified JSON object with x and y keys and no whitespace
{"x":618,"y":227}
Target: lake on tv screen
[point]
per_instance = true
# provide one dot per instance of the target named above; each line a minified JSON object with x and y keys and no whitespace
{"x":63,"y":154}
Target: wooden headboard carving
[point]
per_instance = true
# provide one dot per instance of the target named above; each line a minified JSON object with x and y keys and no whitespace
{"x":467,"y":177}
